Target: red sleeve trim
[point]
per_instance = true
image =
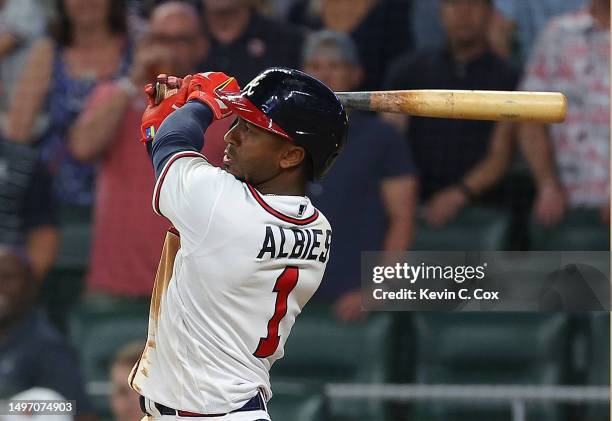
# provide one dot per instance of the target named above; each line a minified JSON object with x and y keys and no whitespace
{"x":280,"y":215}
{"x":161,"y":178}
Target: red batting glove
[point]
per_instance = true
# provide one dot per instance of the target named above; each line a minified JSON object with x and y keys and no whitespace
{"x":204,"y":87}
{"x":154,"y":115}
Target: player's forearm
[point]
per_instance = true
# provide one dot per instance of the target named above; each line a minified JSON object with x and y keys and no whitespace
{"x":95,"y":129}
{"x":537,"y":149}
{"x":183,"y":130}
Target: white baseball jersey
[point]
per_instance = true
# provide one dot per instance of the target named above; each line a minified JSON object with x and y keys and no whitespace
{"x":247,"y":265}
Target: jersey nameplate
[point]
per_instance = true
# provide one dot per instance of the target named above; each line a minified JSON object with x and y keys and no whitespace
{"x":295,"y":243}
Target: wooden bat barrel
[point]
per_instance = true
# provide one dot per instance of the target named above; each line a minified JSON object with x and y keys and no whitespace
{"x":542,"y":107}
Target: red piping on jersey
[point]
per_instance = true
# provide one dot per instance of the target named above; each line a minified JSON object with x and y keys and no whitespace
{"x":160,"y":181}
{"x":279,"y":215}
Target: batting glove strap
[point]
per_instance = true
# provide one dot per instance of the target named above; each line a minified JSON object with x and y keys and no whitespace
{"x":219,"y":109}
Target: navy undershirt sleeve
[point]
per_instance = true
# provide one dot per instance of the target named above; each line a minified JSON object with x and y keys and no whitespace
{"x":183,"y":130}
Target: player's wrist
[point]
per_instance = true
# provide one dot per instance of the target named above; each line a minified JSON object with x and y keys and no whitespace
{"x":218,"y":108}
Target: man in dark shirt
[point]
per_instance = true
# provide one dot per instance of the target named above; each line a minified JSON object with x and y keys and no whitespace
{"x":243,"y":42}
{"x":458,"y":160}
{"x":32,"y":352}
{"x":380,"y":29}
{"x":27,"y":209}
{"x":369,"y":196}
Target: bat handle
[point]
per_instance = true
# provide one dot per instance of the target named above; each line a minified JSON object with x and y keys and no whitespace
{"x":160,"y":92}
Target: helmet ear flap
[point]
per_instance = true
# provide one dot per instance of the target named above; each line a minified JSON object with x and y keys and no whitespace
{"x":328,"y":163}
{"x":309,"y":166}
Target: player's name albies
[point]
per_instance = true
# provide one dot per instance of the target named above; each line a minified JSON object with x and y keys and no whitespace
{"x":294,"y":243}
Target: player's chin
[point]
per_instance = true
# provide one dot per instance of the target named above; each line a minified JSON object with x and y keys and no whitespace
{"x":233,"y":170}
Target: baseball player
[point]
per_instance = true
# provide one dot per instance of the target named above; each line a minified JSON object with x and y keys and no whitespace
{"x":248,"y":248}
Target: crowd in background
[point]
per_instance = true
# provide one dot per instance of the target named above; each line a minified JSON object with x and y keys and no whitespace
{"x":71,"y":77}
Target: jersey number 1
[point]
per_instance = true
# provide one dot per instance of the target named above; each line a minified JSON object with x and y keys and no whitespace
{"x":283,"y":287}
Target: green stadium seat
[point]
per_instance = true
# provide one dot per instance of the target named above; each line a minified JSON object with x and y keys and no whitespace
{"x":580,"y":230}
{"x":492,"y":348}
{"x":296,"y":401}
{"x":322,"y":350}
{"x":98,"y":330}
{"x":473,"y":229}
{"x":64,"y":283}
{"x":598,"y":373}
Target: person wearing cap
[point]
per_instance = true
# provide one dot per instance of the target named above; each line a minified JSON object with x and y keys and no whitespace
{"x":32,"y":352}
{"x":460,"y":161}
{"x":370,"y":194}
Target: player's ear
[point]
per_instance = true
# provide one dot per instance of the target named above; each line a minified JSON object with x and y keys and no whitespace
{"x":292,"y":156}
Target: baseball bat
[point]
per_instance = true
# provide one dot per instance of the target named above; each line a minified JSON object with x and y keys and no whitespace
{"x":541,"y":107}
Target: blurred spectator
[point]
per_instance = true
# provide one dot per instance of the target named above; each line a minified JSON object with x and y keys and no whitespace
{"x":426,"y":26}
{"x":108,"y":131}
{"x":369,"y":195}
{"x":458,"y":160}
{"x":89,"y":45}
{"x":571,"y":161}
{"x":244,"y":42}
{"x":380,"y":28}
{"x":27,"y":206}
{"x":281,"y":7}
{"x":32,"y":351}
{"x":516,"y":23}
{"x":124,"y":400}
{"x":144,"y":7}
{"x":21,"y":23}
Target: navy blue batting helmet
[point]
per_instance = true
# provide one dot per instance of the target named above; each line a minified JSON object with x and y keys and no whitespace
{"x":297,"y":107}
